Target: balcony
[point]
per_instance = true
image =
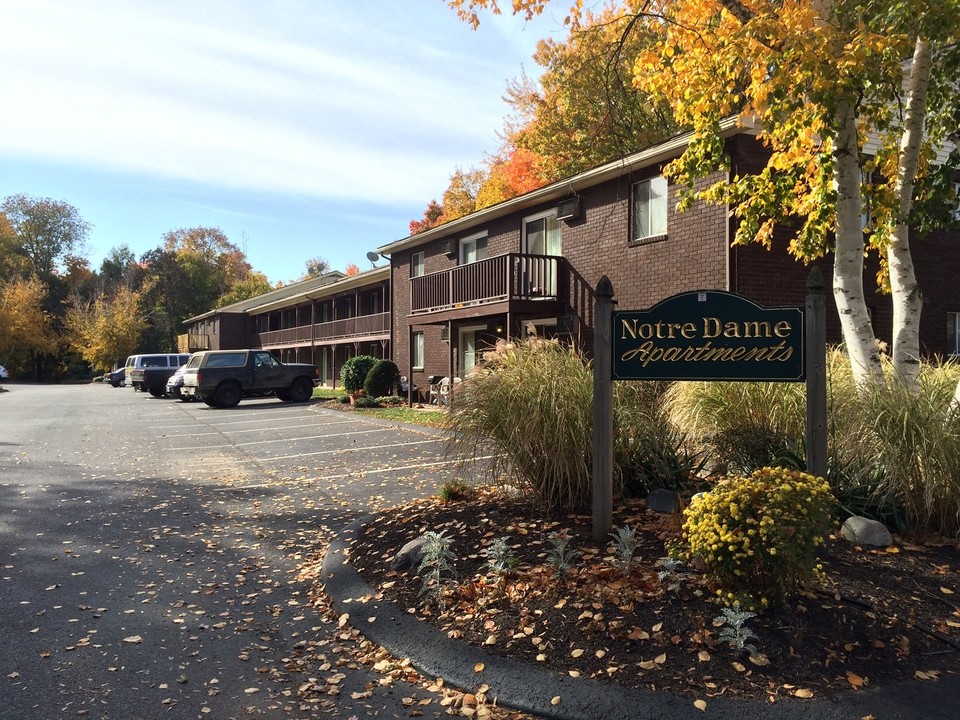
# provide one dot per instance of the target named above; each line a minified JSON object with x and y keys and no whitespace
{"x":360,"y":327}
{"x":192,"y":342}
{"x":509,"y":280}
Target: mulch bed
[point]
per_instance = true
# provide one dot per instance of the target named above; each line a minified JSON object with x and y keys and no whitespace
{"x":883,"y":615}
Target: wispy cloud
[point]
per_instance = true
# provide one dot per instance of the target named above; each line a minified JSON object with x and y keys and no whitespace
{"x":330,"y":99}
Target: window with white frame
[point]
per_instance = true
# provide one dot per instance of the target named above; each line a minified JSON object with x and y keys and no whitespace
{"x":417,"y":350}
{"x":953,"y":333}
{"x":542,"y":234}
{"x":417,"y":264}
{"x":473,"y":248}
{"x":649,"y":208}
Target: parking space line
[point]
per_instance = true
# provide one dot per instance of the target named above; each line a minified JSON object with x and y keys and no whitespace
{"x":315,"y":437}
{"x":397,"y":468}
{"x":349,"y":449}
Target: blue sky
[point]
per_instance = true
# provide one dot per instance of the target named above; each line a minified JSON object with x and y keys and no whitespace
{"x":301,"y":128}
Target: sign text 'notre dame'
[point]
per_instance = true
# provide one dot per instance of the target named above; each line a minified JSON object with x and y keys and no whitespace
{"x":708,"y":335}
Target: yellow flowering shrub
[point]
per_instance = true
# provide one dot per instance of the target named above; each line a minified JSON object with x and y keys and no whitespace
{"x":757,"y":536}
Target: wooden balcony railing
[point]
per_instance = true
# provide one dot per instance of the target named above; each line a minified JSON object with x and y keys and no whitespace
{"x":191,"y":342}
{"x":355,"y":327}
{"x":514,"y":276}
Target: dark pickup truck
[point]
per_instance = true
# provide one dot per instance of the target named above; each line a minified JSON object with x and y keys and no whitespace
{"x":221,"y":377}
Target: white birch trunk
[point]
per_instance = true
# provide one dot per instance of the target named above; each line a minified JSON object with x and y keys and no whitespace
{"x":848,"y":260}
{"x":907,"y":300}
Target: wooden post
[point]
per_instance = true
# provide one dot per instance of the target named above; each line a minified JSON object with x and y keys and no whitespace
{"x":602,"y":485}
{"x":815,"y":342}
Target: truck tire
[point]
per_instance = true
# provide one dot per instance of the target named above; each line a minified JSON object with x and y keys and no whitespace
{"x":227,"y":395}
{"x":208,"y":401}
{"x":157,"y":392}
{"x":301,"y":390}
{"x":283,"y":395}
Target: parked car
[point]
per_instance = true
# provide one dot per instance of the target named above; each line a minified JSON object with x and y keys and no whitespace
{"x":151,"y":372}
{"x":117,"y":378}
{"x":3,"y":373}
{"x":222,"y":377}
{"x":175,"y":383}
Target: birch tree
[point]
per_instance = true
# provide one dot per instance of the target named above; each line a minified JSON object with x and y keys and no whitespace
{"x":822,"y":82}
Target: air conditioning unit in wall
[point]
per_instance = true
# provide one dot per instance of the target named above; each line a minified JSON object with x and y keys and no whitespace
{"x":448,"y":247}
{"x":445,"y":333}
{"x":568,"y":208}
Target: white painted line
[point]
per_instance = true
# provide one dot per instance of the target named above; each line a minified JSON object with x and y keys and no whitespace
{"x":249,"y":430}
{"x":314,"y":437}
{"x":378,"y":471}
{"x":345,"y":450}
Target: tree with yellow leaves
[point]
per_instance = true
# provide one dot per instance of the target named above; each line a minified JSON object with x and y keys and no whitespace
{"x":25,"y":328}
{"x":852,"y":98}
{"x":106,"y":329}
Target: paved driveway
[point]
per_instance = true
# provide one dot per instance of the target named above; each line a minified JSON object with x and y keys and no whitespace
{"x":150,"y":549}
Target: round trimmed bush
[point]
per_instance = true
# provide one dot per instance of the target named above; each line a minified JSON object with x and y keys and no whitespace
{"x":354,"y":372}
{"x":382,"y":378}
{"x":757,"y":536}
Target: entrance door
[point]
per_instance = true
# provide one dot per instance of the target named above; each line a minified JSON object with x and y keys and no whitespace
{"x":471,"y":349}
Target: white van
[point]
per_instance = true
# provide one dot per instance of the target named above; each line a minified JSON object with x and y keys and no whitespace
{"x":136,"y":364}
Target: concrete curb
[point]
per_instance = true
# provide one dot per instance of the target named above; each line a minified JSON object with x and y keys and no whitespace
{"x":529,"y":688}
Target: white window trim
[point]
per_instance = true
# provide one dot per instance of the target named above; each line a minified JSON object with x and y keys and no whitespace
{"x":955,"y":350}
{"x":551,"y":213}
{"x":418,"y":346}
{"x":422,"y":263}
{"x":653,"y":237}
{"x":467,"y":239}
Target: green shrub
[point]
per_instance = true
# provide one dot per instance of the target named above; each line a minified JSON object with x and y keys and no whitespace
{"x":365,"y":401}
{"x":757,"y":536}
{"x":391,"y":400}
{"x":455,"y":490}
{"x":382,"y":379}
{"x":354,"y":372}
{"x":343,"y":399}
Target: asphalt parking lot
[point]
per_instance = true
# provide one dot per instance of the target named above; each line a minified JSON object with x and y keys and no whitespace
{"x":153,"y":554}
{"x":366,"y":463}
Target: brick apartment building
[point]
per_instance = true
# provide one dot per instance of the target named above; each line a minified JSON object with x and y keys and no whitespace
{"x":529,"y":265}
{"x":323,"y":320}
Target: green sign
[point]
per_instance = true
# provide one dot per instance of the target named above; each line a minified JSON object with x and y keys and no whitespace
{"x":709,"y":335}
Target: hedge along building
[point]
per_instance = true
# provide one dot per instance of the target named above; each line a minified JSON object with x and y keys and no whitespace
{"x":323,"y":320}
{"x":529,"y":265}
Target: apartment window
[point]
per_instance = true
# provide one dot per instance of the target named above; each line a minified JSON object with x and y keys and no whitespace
{"x":649,"y":209}
{"x":473,"y":249}
{"x":417,"y":351}
{"x":417,"y":264}
{"x":542,"y":235}
{"x":953,"y":333}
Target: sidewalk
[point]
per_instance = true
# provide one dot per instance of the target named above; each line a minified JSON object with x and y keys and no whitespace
{"x":530,"y":689}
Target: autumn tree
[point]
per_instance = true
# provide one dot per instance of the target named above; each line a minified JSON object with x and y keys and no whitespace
{"x":25,"y":327}
{"x":432,"y":217}
{"x":850,"y":97}
{"x":584,"y":110}
{"x":254,"y":284}
{"x":106,"y":328}
{"x":46,"y":230}
{"x":351,"y":269}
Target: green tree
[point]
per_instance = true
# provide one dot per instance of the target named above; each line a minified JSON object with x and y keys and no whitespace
{"x":47,"y":231}
{"x":254,"y":284}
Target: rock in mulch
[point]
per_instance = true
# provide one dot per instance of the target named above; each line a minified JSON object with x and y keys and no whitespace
{"x":663,"y":501}
{"x":864,"y":531}
{"x":409,"y":556}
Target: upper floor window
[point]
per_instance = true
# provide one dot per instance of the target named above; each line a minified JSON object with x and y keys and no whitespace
{"x":473,"y":249}
{"x":417,"y":264}
{"x":649,"y":208}
{"x":541,"y":234}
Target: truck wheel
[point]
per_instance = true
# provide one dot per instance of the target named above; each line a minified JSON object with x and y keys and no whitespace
{"x":227,"y":395}
{"x":209,"y":401}
{"x":300,"y":390}
{"x":156,"y":392}
{"x":283,"y":395}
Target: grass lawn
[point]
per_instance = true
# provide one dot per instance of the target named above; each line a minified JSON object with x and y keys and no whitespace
{"x":417,"y":415}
